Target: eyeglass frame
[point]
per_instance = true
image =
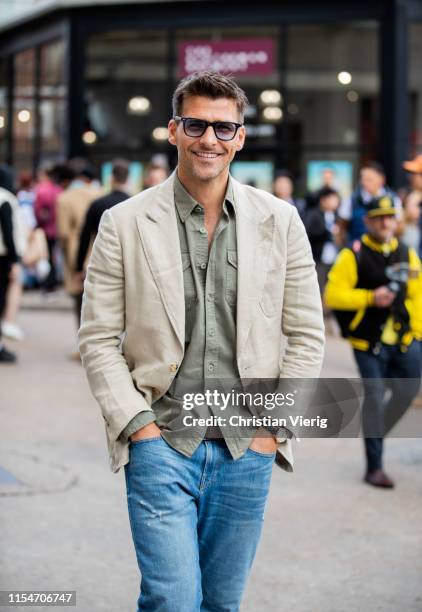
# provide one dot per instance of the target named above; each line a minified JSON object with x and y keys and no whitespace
{"x":207,"y":125}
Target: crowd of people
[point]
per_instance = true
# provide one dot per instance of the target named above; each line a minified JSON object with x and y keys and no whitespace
{"x":367,"y":251}
{"x":47,"y":226}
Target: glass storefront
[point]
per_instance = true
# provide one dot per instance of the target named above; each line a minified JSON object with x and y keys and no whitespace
{"x":314,"y":91}
{"x":312,"y":97}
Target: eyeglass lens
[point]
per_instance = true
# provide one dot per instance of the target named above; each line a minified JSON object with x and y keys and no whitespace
{"x":223,"y":130}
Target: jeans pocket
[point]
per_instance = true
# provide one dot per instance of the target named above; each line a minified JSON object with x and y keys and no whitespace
{"x":267,"y":455}
{"x":144,"y":440}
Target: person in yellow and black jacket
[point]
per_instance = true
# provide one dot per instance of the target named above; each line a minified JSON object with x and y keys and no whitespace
{"x":375,"y":291}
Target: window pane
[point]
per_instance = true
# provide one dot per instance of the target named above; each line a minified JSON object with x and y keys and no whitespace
{"x":126,"y":94}
{"x":23,"y":110}
{"x":332,"y":105}
{"x":52,"y":100}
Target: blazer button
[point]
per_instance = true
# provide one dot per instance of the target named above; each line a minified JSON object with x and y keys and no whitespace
{"x":173,"y":367}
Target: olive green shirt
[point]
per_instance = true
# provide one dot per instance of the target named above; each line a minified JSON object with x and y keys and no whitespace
{"x":210,"y":287}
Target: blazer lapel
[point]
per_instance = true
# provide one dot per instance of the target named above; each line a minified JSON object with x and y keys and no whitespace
{"x":254,"y":229}
{"x":157,"y":226}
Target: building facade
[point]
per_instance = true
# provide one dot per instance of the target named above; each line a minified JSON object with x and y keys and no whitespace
{"x":330,"y":84}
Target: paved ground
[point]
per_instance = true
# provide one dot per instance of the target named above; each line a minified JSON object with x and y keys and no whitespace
{"x":330,"y":543}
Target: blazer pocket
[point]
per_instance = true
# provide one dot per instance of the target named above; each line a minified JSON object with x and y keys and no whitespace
{"x":231,"y":277}
{"x":272,"y":295}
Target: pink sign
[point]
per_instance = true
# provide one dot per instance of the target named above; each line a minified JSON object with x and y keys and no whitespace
{"x":235,"y":56}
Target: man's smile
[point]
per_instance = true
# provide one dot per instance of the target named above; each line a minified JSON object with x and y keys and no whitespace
{"x":206,"y":154}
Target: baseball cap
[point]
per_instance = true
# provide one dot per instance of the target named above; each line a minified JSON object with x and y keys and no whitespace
{"x":381,"y":206}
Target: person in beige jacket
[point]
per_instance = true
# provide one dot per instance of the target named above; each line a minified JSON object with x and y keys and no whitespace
{"x":193,"y":282}
{"x":72,"y":205}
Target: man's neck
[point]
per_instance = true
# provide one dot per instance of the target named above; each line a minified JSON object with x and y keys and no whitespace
{"x":118,"y":186}
{"x":210,"y":194}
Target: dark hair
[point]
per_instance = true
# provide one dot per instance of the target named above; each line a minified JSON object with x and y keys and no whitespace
{"x":61,"y":174}
{"x":82,"y":167}
{"x":120,"y":169}
{"x":376,"y":166}
{"x":283,"y":174}
{"x":209,"y":84}
{"x":6,"y":177}
{"x":325,"y":192}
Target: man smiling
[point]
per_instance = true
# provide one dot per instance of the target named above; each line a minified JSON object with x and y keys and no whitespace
{"x":201,"y":277}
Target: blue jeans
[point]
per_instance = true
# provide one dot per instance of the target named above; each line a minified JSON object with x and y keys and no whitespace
{"x":379,"y":415}
{"x":195,"y":523}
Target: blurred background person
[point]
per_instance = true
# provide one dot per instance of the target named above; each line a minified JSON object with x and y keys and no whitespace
{"x":53,"y":181}
{"x":414,"y":197}
{"x":328,"y":180}
{"x":72,"y":205}
{"x":156,"y":171}
{"x":283,"y":188}
{"x":26,"y":223}
{"x":375,"y":289}
{"x":352,"y":210}
{"x":91,"y":222}
{"x":9,"y":251}
{"x":323,"y":233}
{"x":409,"y":229}
{"x":26,"y":198}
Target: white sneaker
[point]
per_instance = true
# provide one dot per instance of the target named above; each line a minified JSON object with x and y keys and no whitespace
{"x":12,"y":331}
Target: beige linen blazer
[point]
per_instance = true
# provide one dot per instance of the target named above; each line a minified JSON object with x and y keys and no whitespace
{"x":133,"y":316}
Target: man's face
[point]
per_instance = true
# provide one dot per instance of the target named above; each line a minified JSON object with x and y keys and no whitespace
{"x":330,"y":203}
{"x":381,"y":228}
{"x":205,"y":158}
{"x":155,"y":176}
{"x":371,"y":180}
{"x":327,"y":177}
{"x":283,"y":187}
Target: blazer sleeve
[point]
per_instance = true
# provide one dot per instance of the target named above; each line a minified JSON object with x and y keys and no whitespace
{"x":100,"y":334}
{"x":302,"y":320}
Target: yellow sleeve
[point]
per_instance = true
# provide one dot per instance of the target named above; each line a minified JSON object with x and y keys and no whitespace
{"x":340,"y":292}
{"x":414,"y":294}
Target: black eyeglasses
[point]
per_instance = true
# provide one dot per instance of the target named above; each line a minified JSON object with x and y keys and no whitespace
{"x":195,"y":128}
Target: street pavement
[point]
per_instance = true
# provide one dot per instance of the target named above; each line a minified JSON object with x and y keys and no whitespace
{"x":330,"y":543}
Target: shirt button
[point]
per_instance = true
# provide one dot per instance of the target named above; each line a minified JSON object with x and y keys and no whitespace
{"x":203,"y":230}
{"x":203,"y":266}
{"x":211,"y":367}
{"x":173,"y":367}
{"x":209,"y":297}
{"x":211,"y":332}
{"x":198,"y":209}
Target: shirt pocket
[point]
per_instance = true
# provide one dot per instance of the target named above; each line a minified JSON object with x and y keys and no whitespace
{"x":190,"y":295}
{"x":231,"y":277}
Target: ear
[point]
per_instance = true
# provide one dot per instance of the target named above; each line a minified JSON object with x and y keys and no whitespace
{"x":241,"y":136}
{"x":172,"y":128}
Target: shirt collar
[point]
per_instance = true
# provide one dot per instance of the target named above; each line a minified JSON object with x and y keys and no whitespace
{"x":185,"y":203}
{"x":380,"y":247}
